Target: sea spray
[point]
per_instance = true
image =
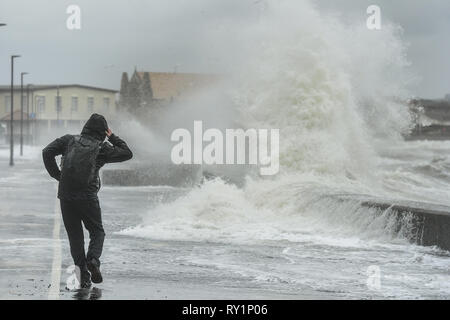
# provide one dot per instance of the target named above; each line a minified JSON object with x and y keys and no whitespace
{"x":331,"y":97}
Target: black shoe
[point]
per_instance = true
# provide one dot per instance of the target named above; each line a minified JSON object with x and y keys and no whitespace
{"x":85,"y":284}
{"x":94,"y":268}
{"x":85,"y":279}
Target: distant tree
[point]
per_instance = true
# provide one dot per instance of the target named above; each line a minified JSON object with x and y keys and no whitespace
{"x":134,"y":92}
{"x":124,"y":88}
{"x":146,"y":90}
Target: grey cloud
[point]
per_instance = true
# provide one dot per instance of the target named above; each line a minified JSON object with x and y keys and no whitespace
{"x":161,"y":35}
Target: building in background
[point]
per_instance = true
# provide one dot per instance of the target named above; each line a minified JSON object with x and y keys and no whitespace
{"x":149,"y":89}
{"x":432,"y":119}
{"x":52,"y":107}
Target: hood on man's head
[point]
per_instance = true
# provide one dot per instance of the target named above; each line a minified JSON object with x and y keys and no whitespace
{"x":96,"y":127}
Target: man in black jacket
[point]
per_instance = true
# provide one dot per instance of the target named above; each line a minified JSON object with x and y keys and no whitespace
{"x":81,"y":205}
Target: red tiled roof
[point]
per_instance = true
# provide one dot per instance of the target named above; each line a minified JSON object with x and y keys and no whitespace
{"x":166,"y":85}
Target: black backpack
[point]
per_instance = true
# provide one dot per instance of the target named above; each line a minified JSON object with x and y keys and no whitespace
{"x":78,"y":165}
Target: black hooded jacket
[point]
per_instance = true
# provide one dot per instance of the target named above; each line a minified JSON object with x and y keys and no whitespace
{"x":116,"y":150}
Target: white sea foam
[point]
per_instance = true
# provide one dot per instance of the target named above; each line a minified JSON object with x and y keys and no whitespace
{"x":328,"y":87}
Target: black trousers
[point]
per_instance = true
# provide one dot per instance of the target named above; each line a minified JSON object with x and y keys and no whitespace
{"x":88,"y":212}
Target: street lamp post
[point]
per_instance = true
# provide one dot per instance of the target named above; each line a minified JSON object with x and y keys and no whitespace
{"x":11,"y":141}
{"x":21,"y":111}
{"x":34,"y":116}
{"x":28,"y":113}
{"x":58,"y":106}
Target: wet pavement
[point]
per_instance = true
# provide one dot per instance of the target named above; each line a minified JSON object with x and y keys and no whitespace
{"x":35,"y":261}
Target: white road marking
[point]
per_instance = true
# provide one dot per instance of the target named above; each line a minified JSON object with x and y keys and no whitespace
{"x":53,"y":293}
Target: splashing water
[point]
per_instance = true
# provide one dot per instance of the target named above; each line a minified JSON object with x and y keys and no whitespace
{"x":310,"y":76}
{"x":332,"y":90}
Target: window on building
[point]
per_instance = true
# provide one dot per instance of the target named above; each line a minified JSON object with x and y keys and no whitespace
{"x":90,"y":104}
{"x":58,"y":103}
{"x":106,"y":103}
{"x":40,"y":104}
{"x":7,"y":103}
{"x":74,"y":105}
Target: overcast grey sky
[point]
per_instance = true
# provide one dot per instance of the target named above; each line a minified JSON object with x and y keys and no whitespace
{"x":164,"y":35}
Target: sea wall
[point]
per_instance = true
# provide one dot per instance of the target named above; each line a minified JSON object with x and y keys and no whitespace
{"x":431,"y":223}
{"x":155,"y":174}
